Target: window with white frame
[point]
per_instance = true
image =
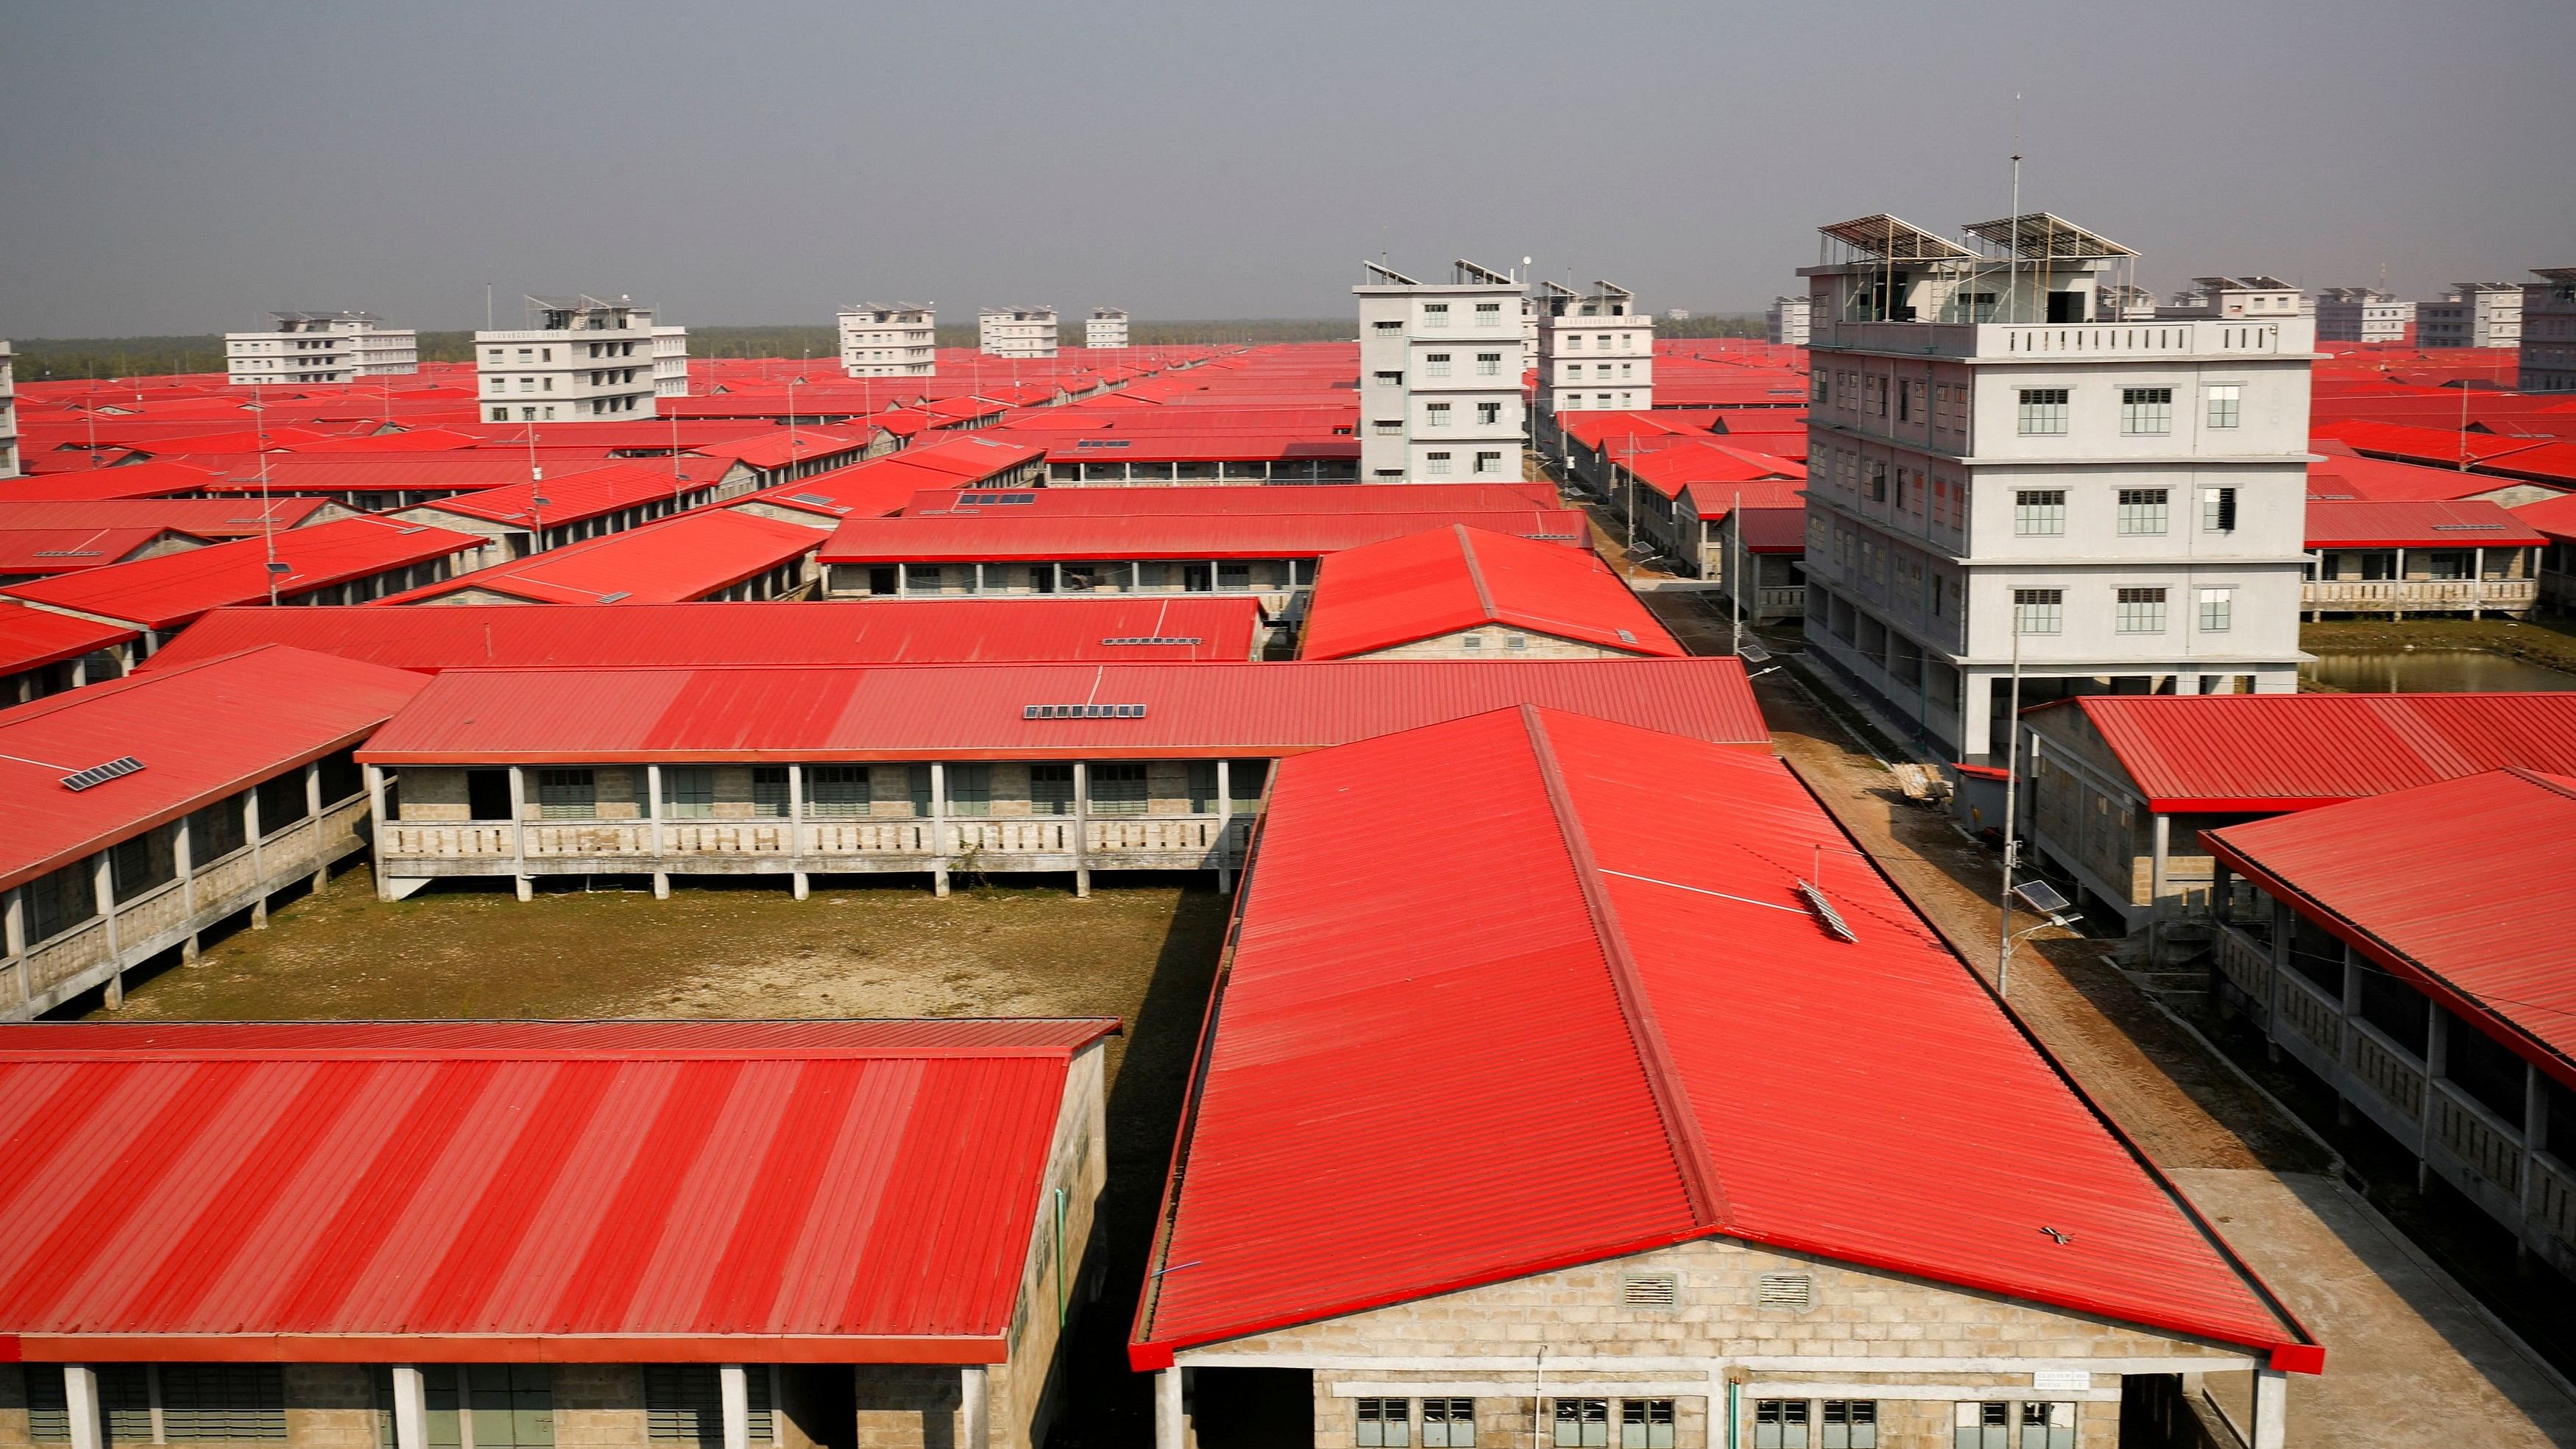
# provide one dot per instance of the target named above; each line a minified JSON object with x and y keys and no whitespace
{"x":1489,"y":314}
{"x":1435,"y":465}
{"x":1448,"y":1424}
{"x":2140,"y":611}
{"x":1780,"y":1424}
{"x":2142,"y":510}
{"x":2043,"y":411}
{"x":1385,"y":1423}
{"x":1816,"y":385}
{"x":2146,"y":410}
{"x":1645,"y":1424}
{"x":1849,"y":1424}
{"x":1435,"y":414}
{"x":1574,"y":342}
{"x":1390,"y":379}
{"x":2217,"y":610}
{"x":1435,"y":364}
{"x":2038,"y":611}
{"x":1489,"y":463}
{"x":2039,"y":512}
{"x":1489,"y":413}
{"x":1582,"y":1423}
{"x":1388,"y":427}
{"x":1435,"y":314}
{"x":1489,"y":364}
{"x":2226,"y":401}
{"x":2218,"y":510}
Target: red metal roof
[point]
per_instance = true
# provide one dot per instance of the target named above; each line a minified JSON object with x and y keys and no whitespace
{"x":1667,"y":974}
{"x":202,"y":517}
{"x":1772,"y":530}
{"x":688,"y":556}
{"x":972,"y":711}
{"x":133,"y":480}
{"x":201,"y":732}
{"x":48,"y":552}
{"x":881,"y":486}
{"x":2555,"y":517}
{"x":1239,"y":498}
{"x":2275,"y":752}
{"x":2463,"y":919}
{"x":597,"y":1191}
{"x":569,"y":498}
{"x":2348,"y":476}
{"x":161,"y":593}
{"x":33,"y":638}
{"x":998,"y":534}
{"x":2465,"y":523}
{"x":1380,"y":595}
{"x":870,"y":631}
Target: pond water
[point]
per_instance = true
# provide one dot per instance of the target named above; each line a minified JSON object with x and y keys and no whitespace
{"x":2440,"y":671}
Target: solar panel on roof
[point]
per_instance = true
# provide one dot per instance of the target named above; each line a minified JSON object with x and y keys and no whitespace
{"x":1082,"y":711}
{"x":812,"y":498}
{"x":115,"y":769}
{"x":1825,"y":914}
{"x":1158,"y":639}
{"x":2042,"y":897}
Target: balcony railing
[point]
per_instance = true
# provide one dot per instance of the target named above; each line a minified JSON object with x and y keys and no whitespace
{"x":2246,"y":962}
{"x":2377,"y":594}
{"x":681,"y":843}
{"x":2180,"y":337}
{"x":2471,"y":1134}
{"x":2312,"y":1013}
{"x":2398,"y":1080}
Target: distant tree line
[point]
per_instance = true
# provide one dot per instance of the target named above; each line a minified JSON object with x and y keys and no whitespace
{"x":43,"y":359}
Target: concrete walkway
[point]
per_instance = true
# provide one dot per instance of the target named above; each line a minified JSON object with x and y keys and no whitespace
{"x":2410,"y":1360}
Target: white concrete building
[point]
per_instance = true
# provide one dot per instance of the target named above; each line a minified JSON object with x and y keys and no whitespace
{"x":1596,"y":352}
{"x":1785,"y":322}
{"x":2475,"y":314}
{"x":320,"y":347}
{"x":670,"y":361}
{"x":580,"y":358}
{"x":882,"y":341}
{"x":1105,"y":328}
{"x":2361,"y":314}
{"x":1440,"y":378}
{"x":2548,"y":337}
{"x":1994,"y":473}
{"x":8,"y":412}
{"x":2256,"y":297}
{"x":1016,"y":331}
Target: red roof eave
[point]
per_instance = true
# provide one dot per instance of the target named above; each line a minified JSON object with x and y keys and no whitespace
{"x":501,"y":1348}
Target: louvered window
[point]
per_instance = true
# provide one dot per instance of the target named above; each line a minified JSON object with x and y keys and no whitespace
{"x":684,"y":1404}
{"x":1779,"y":1424}
{"x":213,"y":1402}
{"x":1788,"y":1292}
{"x":1385,"y":1423}
{"x":836,"y":792}
{"x":1448,"y":1424}
{"x":1582,"y":1423}
{"x":1050,"y":789}
{"x":689,"y":792}
{"x":1650,"y":1290}
{"x":1646,"y":1424}
{"x":1118,"y":787}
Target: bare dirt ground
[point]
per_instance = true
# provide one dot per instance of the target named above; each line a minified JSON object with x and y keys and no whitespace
{"x":1142,"y":952}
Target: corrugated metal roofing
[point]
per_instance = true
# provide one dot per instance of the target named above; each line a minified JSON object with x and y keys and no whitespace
{"x":2465,"y":523}
{"x":1619,"y":998}
{"x":160,"y":593}
{"x":890,"y":631}
{"x":202,"y":517}
{"x":47,"y":552}
{"x":2236,"y":752}
{"x":969,"y":711}
{"x":674,"y":1191}
{"x":569,"y":498}
{"x":2463,"y":918}
{"x":1238,"y":499}
{"x":992,"y":535}
{"x":2555,"y":517}
{"x":33,"y":638}
{"x":1380,"y":595}
{"x":134,"y":480}
{"x":687,"y":556}
{"x":202,"y":732}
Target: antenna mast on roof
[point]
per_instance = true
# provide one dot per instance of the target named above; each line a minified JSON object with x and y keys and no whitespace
{"x":2012,"y":279}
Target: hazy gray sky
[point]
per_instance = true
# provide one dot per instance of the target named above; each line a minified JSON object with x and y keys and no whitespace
{"x":181,"y":167}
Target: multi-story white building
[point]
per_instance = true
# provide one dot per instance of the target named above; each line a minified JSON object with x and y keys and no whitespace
{"x":1016,"y":331}
{"x":1785,"y":322}
{"x":670,"y":361}
{"x":1993,"y":473}
{"x":579,"y":358}
{"x":8,"y":412}
{"x":882,"y":341}
{"x":1105,"y":328}
{"x":2256,"y":297}
{"x":2361,"y":314}
{"x":309,"y":347}
{"x":1596,"y":352}
{"x":2475,"y":314}
{"x":2548,"y":334}
{"x":1440,"y":377}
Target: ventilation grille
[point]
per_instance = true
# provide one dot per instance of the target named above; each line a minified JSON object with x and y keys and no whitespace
{"x":1082,"y":711}
{"x":1153,"y":639}
{"x":1651,"y":1290}
{"x":1785,"y":1292}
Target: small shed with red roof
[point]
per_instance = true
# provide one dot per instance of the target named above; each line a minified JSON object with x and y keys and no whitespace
{"x":1468,"y":593}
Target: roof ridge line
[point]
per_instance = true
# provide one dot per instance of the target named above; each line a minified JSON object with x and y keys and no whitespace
{"x":1681,"y":1125}
{"x":1476,"y":573}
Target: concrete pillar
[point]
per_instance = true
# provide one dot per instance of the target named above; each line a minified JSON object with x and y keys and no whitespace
{"x":938,"y":828}
{"x":376,"y":826}
{"x":1170,"y":1427}
{"x":13,"y":921}
{"x":1225,"y":821}
{"x":1082,"y":825}
{"x":519,"y":831}
{"x":733,"y":1390}
{"x":253,"y":829}
{"x":80,"y":1396}
{"x":313,"y":812}
{"x":103,"y":878}
{"x":2271,"y":1428}
{"x":975,"y":1399}
{"x":411,"y":1408}
{"x":796,"y":830}
{"x":661,"y":885}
